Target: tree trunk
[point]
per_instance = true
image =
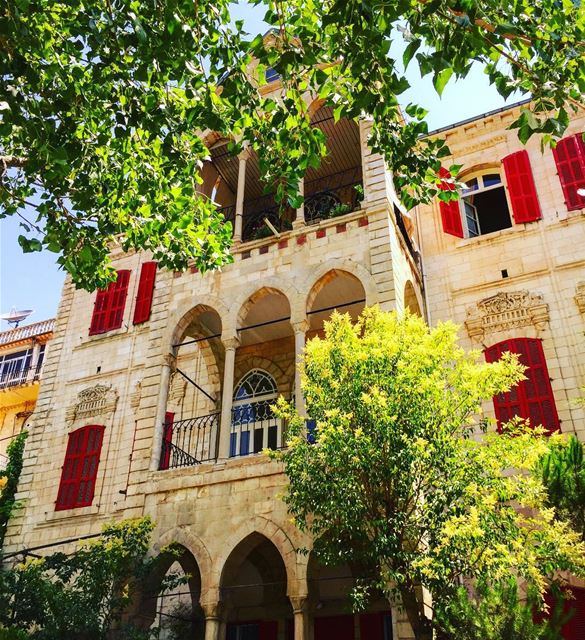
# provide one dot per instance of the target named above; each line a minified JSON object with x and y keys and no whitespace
{"x":421,"y":625}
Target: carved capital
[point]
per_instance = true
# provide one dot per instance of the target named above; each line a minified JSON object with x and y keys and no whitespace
{"x":213,"y":610}
{"x":232,"y":342}
{"x":504,"y":311}
{"x":580,"y":297}
{"x":299,"y":603}
{"x":302,"y":326}
{"x":169,"y":360}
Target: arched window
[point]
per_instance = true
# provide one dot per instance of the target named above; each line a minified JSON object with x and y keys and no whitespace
{"x":254,"y":426}
{"x":80,"y":468}
{"x":484,"y":205}
{"x":531,"y":398}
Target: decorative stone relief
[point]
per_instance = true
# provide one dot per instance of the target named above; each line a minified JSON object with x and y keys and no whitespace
{"x":580,"y":297}
{"x":178,"y":387}
{"x":482,"y":144}
{"x":136,"y":395}
{"x":504,"y":311}
{"x":93,"y":401}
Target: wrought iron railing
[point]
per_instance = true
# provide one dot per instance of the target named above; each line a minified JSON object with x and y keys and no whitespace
{"x":256,"y":211}
{"x":190,"y":442}
{"x":255,"y":427}
{"x":229,"y":213}
{"x":15,"y":376}
{"x":334,"y":195}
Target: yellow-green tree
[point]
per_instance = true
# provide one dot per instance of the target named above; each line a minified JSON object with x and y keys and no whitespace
{"x":400,"y":477}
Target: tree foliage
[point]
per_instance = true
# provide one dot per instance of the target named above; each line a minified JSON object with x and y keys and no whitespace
{"x":399,"y":480}
{"x":563,"y":473}
{"x":104,"y":104}
{"x":80,"y":595}
{"x":9,"y":478}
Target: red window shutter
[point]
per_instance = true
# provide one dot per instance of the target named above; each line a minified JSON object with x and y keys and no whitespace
{"x":79,"y":472}
{"x":100,"y":312}
{"x":338,"y":627}
{"x":145,"y":292}
{"x":117,"y":301}
{"x":521,"y":187}
{"x":569,"y":155}
{"x":531,"y":398}
{"x":372,"y":625}
{"x":450,"y":211}
{"x":165,"y":454}
{"x":268,"y":630}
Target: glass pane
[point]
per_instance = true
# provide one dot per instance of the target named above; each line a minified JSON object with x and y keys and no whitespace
{"x":471,"y":185}
{"x":491,"y":179}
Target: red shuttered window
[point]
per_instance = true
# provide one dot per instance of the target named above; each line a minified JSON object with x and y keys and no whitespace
{"x":108,"y":310}
{"x":521,"y":187}
{"x":569,"y":155}
{"x":165,"y":454}
{"x":145,"y":292}
{"x":531,"y":398}
{"x":79,"y":472}
{"x":450,"y":212}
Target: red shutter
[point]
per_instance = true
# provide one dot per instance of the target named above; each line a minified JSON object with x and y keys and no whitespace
{"x":100,"y":312}
{"x":569,"y":155}
{"x":372,"y":625}
{"x":531,"y":398}
{"x":118,"y":293}
{"x":338,"y":627}
{"x":525,"y":206}
{"x":165,"y":454}
{"x":268,"y":630}
{"x":145,"y":291}
{"x":79,"y":472}
{"x":450,"y":211}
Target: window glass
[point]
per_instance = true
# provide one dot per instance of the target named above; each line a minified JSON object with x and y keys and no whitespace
{"x":490,"y":179}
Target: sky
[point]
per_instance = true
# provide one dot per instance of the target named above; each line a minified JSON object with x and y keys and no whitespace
{"x":33,"y":281}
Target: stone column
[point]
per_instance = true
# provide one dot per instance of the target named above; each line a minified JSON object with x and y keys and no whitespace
{"x":300,"y":329}
{"x":300,"y":217}
{"x":243,"y":157}
{"x":212,"y":620}
{"x":230,"y":344}
{"x":301,"y":617}
{"x":168,"y":365}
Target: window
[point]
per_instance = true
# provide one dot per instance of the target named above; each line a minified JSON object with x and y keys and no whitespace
{"x":145,"y":293}
{"x":569,"y":155}
{"x":79,"y":472}
{"x":108,"y":310}
{"x":484,"y":205}
{"x":14,"y":368}
{"x":254,"y":426}
{"x":531,"y":398}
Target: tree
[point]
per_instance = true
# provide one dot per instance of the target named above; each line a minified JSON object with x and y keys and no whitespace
{"x":104,"y":105}
{"x":9,"y":478}
{"x":398,"y":479}
{"x":562,"y":470}
{"x":80,"y":595}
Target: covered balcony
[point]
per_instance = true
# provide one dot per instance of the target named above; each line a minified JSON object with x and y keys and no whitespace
{"x":333,"y":190}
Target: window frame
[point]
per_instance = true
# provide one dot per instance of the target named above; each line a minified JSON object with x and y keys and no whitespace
{"x":463,"y":194}
{"x":112,"y":314}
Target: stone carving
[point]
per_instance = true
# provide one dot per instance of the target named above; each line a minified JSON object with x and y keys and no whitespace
{"x":178,"y":387}
{"x":506,"y":310}
{"x":483,"y":144}
{"x":136,"y":395}
{"x":580,"y":297}
{"x":93,"y":401}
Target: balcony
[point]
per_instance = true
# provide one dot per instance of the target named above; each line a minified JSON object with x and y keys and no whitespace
{"x":14,"y":374}
{"x":255,"y":428}
{"x":190,"y":442}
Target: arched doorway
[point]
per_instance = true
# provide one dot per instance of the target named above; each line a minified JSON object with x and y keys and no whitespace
{"x":330,"y":606}
{"x":264,"y":370}
{"x":253,"y":591}
{"x":169,"y":600}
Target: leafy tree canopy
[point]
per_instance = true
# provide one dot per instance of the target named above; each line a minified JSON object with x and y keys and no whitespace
{"x":103,"y":104}
{"x":400,"y":479}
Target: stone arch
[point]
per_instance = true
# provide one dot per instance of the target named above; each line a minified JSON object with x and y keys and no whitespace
{"x":186,"y":538}
{"x":282,"y":377}
{"x":254,"y":291}
{"x":272,"y":532}
{"x":184,"y":316}
{"x":411,"y":301}
{"x":316,"y":280}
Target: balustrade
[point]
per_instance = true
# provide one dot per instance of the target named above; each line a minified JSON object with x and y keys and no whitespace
{"x":190,"y":442}
{"x":255,"y":427}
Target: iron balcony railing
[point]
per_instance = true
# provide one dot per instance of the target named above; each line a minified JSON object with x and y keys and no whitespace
{"x":13,"y":376}
{"x":256,"y":211}
{"x":255,"y":427}
{"x":190,"y":442}
{"x":333,"y":196}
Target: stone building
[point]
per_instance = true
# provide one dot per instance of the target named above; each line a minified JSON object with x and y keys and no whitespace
{"x":22,"y":351}
{"x":157,"y":391}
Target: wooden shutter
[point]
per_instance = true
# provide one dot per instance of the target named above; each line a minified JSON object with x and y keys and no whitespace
{"x":569,"y":155}
{"x":334,"y":627}
{"x":450,"y":211}
{"x":79,"y":471}
{"x":100,"y":312}
{"x":531,"y":398}
{"x":145,"y":292}
{"x":521,"y":187}
{"x":165,"y":454}
{"x":118,"y":293}
{"x":372,"y":625}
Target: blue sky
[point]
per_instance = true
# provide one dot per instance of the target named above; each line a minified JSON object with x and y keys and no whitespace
{"x":33,"y":281}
